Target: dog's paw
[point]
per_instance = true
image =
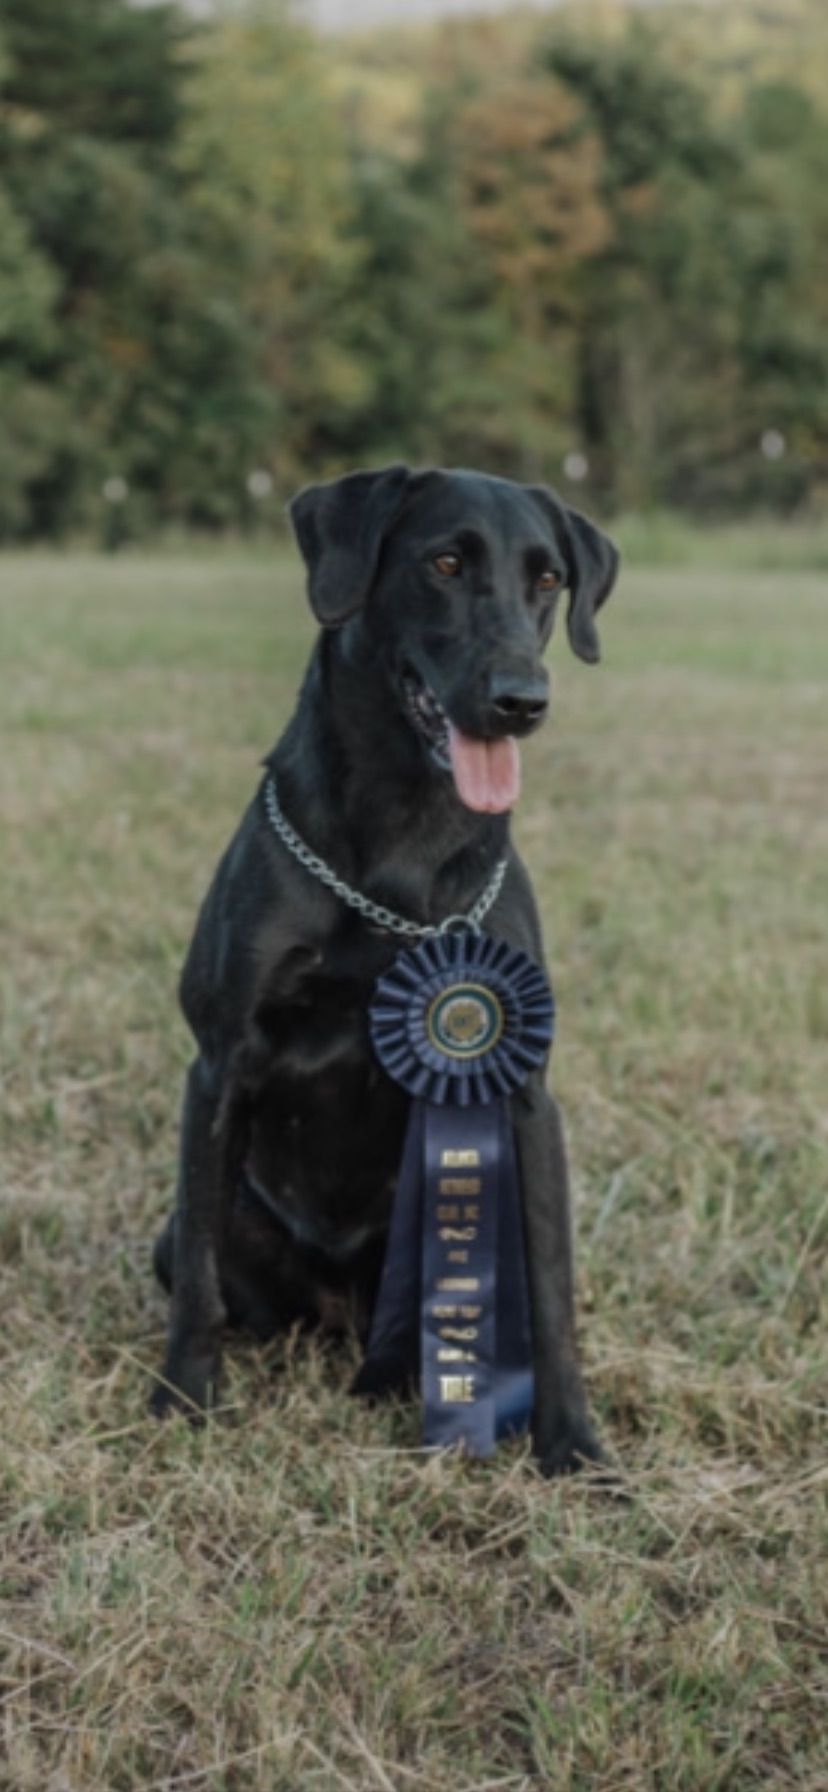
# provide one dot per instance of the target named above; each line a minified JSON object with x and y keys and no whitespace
{"x":165,"y":1402}
{"x":575,"y":1451}
{"x":187,"y":1392}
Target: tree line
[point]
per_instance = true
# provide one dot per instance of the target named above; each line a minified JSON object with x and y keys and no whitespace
{"x":588,"y":247}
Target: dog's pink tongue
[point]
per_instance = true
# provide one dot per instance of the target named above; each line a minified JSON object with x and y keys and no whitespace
{"x":486,"y":772}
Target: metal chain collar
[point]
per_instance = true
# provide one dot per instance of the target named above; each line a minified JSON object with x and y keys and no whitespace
{"x":373,"y":911}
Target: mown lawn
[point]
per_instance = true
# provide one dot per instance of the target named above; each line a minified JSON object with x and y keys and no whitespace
{"x":295,"y":1598}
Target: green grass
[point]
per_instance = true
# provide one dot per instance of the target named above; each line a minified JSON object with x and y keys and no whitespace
{"x":759,"y":544}
{"x":295,"y":1598}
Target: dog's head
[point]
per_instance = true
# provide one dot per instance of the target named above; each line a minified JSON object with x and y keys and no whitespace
{"x":458,"y":576}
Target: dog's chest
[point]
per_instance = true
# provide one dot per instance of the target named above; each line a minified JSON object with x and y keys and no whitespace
{"x":327,"y":1125}
{"x":311,"y":1016}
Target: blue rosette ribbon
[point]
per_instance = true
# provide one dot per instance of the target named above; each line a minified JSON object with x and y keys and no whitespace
{"x":460,"y":1021}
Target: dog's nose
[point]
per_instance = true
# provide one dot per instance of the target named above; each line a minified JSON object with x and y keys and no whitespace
{"x":520,"y":702}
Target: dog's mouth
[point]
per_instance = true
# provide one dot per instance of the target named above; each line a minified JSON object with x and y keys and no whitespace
{"x":486,"y":773}
{"x":429,"y":719}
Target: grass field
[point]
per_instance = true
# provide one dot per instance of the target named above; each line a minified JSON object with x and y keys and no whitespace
{"x":295,"y":1598}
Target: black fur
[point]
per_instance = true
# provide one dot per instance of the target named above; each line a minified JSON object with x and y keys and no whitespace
{"x":291,"y":1134}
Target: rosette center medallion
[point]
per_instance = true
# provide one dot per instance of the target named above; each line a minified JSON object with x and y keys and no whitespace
{"x":465,"y":1020}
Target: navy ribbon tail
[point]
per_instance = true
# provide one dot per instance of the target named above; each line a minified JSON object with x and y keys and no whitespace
{"x":453,"y":1299}
{"x":460,"y":1277}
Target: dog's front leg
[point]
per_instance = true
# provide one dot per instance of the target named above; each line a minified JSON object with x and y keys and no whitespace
{"x":562,"y":1435}
{"x":212,"y":1144}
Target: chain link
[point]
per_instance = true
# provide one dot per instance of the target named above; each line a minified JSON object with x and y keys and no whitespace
{"x":373,"y":911}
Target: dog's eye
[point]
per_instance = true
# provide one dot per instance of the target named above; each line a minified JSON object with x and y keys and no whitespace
{"x":549,"y":580}
{"x":447,"y":564}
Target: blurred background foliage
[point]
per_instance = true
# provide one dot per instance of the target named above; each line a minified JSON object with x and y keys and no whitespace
{"x":588,"y":245}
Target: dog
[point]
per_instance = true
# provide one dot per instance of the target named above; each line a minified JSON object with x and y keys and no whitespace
{"x":435,"y":592}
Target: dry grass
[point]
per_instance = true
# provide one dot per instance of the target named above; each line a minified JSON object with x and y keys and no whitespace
{"x":296,"y":1598}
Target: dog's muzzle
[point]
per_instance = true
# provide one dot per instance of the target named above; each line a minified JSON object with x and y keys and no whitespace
{"x":485,"y":767}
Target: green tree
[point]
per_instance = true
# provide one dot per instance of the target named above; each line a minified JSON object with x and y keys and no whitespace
{"x":781,"y":235}
{"x":658,"y":345}
{"x":468,"y":250}
{"x":88,"y":108}
{"x":32,"y":417}
{"x":168,"y":179}
{"x":704,"y":319}
{"x":262,"y":155}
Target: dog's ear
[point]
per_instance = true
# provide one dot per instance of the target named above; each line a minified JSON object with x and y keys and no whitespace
{"x":340,"y":528}
{"x":593,"y":569}
{"x":594,"y":563}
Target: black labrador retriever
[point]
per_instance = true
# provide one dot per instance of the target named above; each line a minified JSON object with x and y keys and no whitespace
{"x":436,"y":592}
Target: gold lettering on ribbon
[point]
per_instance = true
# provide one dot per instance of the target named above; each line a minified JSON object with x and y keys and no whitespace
{"x":448,"y":1210}
{"x":459,"y":1185}
{"x":462,"y":1334}
{"x":456,"y":1390}
{"x":451,"y":1353}
{"x":471,"y":1210}
{"x":458,"y":1284}
{"x":446,"y":1312}
{"x":458,"y":1234}
{"x":460,"y":1160}
{"x":465,"y":1312}
{"x":458,"y":1256}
